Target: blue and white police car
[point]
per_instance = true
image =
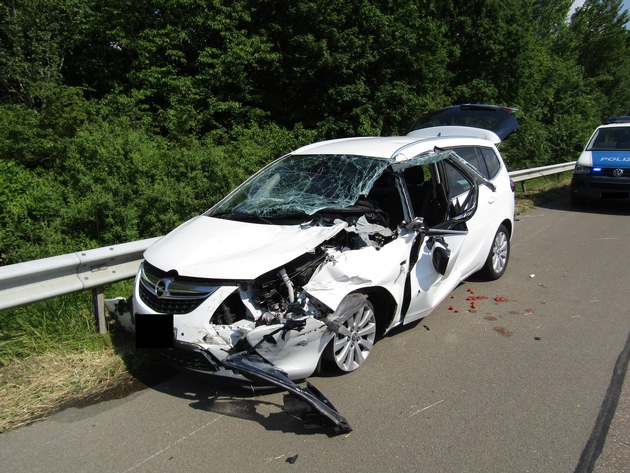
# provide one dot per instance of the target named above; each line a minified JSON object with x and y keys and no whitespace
{"x":603,"y":169}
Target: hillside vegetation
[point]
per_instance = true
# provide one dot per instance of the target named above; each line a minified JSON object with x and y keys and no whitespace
{"x":119,"y":120}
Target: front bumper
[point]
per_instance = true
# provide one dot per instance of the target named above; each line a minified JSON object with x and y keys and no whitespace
{"x":591,"y":186}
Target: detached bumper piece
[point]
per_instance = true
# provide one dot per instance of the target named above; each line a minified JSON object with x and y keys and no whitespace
{"x":189,"y":356}
{"x":313,"y":407}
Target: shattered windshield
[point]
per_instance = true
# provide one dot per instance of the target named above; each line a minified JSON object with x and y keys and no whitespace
{"x":302,"y":185}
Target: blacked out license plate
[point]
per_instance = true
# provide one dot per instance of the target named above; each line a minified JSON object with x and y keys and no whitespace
{"x":154,"y":331}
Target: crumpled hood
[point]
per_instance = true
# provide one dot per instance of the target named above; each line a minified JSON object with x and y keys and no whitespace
{"x":214,"y":248}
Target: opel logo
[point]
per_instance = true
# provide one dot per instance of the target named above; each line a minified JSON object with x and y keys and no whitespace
{"x":618,"y":172}
{"x":161,"y":288}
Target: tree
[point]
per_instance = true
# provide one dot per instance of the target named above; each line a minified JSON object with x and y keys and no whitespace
{"x":602,"y":45}
{"x":34,"y":39}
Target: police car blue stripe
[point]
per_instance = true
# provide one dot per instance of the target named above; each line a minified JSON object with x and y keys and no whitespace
{"x":611,"y":159}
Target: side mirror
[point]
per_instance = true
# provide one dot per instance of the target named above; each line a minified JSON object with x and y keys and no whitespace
{"x":579,"y":147}
{"x":440,"y":259}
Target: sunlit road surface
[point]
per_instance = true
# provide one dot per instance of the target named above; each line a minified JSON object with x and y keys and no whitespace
{"x":512,"y":383}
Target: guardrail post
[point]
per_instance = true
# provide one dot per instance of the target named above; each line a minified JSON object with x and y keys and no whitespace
{"x":98,"y":302}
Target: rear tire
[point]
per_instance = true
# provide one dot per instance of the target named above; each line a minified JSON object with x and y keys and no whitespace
{"x":499,"y":255}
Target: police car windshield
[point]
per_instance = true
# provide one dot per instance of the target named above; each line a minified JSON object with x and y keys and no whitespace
{"x":611,"y":139}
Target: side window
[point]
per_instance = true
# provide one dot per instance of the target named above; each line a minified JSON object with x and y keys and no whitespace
{"x":461,"y":193}
{"x":458,"y":184}
{"x":471,"y":156}
{"x":492,"y":162}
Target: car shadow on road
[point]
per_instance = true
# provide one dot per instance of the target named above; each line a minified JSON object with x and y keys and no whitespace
{"x":250,"y":402}
{"x":603,"y":207}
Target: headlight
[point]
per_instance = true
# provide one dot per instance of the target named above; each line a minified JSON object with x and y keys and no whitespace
{"x":582,"y":170}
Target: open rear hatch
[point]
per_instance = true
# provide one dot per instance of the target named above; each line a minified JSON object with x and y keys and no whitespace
{"x":499,"y":120}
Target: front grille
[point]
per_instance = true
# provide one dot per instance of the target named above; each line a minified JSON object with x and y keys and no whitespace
{"x":168,"y":306}
{"x":608,"y":172}
{"x":170,"y":293}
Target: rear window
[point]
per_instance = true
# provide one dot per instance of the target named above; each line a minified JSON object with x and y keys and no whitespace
{"x":492,"y":162}
{"x":472,"y":157}
{"x":484,"y":160}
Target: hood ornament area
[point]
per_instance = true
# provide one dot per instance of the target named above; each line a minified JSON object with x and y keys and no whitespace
{"x":161,"y":288}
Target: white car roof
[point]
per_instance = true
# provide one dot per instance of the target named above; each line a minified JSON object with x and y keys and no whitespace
{"x":404,"y":147}
{"x":615,"y":125}
{"x":461,"y":131}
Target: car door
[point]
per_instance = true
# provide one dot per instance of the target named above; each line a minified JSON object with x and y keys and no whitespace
{"x":437,"y":261}
{"x":485,"y":221}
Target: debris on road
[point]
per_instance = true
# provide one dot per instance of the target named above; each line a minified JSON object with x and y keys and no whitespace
{"x":503,"y":331}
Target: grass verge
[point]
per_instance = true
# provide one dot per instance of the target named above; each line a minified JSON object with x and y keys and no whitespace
{"x":51,"y":356}
{"x":542,"y":190}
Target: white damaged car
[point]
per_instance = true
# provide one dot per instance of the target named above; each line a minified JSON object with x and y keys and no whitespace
{"x":316,"y":256}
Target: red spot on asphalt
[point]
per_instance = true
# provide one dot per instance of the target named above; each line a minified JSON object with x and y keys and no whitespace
{"x":500,"y":299}
{"x":503,"y":331}
{"x":490,"y":317}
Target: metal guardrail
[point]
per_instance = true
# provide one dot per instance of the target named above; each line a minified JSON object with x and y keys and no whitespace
{"x":33,"y":281}
{"x":526,"y":174}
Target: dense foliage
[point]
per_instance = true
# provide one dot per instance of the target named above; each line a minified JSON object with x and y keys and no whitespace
{"x":120,"y":119}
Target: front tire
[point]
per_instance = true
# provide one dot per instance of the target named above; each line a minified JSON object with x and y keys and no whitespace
{"x":352,"y":344}
{"x":499,"y":255}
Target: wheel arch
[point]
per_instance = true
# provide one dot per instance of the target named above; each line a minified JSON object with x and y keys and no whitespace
{"x":384,"y":307}
{"x":509,"y":225}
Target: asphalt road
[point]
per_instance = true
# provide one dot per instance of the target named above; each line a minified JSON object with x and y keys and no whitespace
{"x":524,"y":384}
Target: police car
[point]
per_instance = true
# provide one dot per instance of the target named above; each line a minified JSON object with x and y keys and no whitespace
{"x":603,"y":169}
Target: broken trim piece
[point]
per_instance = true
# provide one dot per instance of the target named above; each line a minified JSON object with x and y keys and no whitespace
{"x":257,"y":369}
